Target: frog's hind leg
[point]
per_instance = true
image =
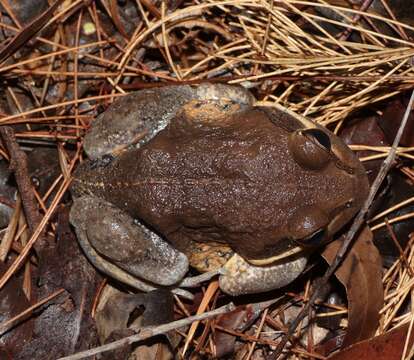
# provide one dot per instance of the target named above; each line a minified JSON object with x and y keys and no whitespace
{"x":136,"y":118}
{"x":119,"y":247}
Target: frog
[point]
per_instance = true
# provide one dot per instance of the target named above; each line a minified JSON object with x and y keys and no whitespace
{"x":201,"y":176}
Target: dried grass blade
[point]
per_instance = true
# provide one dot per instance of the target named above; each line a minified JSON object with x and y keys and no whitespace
{"x":211,"y":290}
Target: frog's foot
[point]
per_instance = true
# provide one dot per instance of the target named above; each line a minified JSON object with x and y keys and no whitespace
{"x":137,"y":117}
{"x":119,"y":247}
{"x":238,"y":277}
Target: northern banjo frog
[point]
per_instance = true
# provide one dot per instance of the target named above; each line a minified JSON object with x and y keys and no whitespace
{"x":198,"y":175}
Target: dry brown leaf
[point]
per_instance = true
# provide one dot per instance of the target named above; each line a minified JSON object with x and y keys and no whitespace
{"x":361,"y":275}
{"x":13,"y":301}
{"x":122,"y":314}
{"x":238,"y":320}
{"x":390,"y":121}
{"x":388,"y":346}
{"x":157,"y":308}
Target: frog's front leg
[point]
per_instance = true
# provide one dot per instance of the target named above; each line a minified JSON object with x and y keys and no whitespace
{"x":117,"y":246}
{"x":239,"y":277}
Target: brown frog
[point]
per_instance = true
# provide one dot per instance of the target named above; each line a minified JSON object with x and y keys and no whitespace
{"x":199,"y":173}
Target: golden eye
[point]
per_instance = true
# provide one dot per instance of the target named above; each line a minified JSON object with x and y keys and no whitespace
{"x":310,"y":148}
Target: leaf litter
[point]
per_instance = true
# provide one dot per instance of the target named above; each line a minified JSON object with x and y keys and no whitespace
{"x":62,"y":64}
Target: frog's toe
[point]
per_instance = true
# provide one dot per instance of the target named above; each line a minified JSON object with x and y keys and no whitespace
{"x":239,"y":277}
{"x":115,"y":237}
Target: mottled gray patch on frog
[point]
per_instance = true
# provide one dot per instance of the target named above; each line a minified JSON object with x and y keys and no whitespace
{"x":161,"y":263}
{"x":116,"y":237}
{"x":143,"y":114}
{"x":239,"y":277}
{"x":235,"y":94}
{"x":169,"y":255}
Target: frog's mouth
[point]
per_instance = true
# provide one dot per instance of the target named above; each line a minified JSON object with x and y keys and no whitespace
{"x":321,"y":236}
{"x":277,"y":258}
{"x":285,"y":248}
{"x":293,"y":248}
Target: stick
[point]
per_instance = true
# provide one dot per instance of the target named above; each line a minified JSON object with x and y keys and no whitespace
{"x":365,"y":5}
{"x":18,"y":164}
{"x":150,"y":331}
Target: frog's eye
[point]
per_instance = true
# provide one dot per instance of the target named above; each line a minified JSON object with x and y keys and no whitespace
{"x":320,"y":137}
{"x":310,"y":148}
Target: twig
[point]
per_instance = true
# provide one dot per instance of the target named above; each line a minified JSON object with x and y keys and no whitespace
{"x":403,"y":257}
{"x":208,"y":295}
{"x":366,"y":4}
{"x":18,"y":164}
{"x":150,"y":331}
{"x":195,"y":281}
{"x":359,"y":220}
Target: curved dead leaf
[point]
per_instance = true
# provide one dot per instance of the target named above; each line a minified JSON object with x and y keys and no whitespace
{"x":388,"y":346}
{"x":12,"y":302}
{"x":360,"y":273}
{"x":122,"y":314}
{"x":157,"y":308}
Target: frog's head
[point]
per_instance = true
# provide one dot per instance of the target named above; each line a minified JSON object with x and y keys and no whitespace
{"x":334,"y":186}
